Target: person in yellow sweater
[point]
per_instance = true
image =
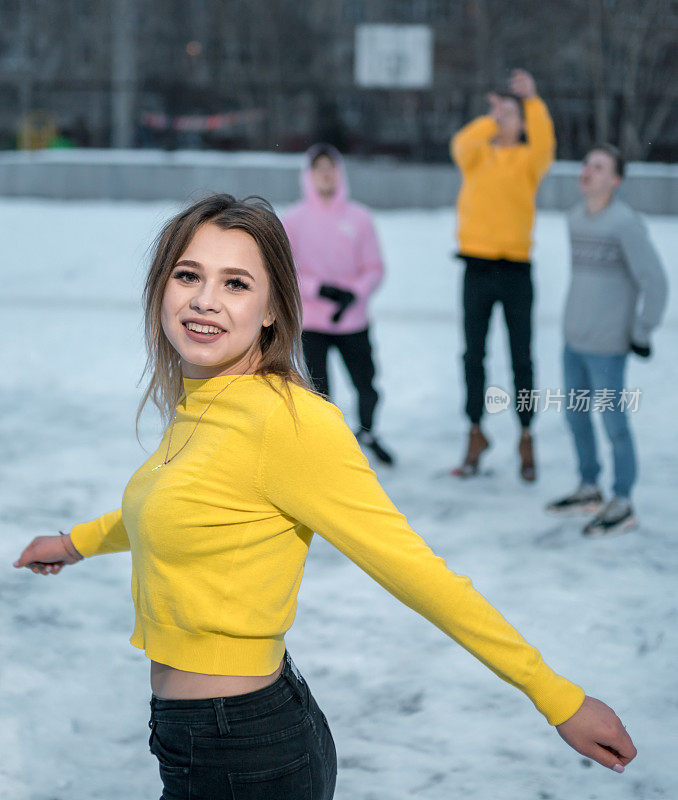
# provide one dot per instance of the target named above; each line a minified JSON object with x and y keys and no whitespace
{"x":502,"y":158}
{"x":220,"y":518}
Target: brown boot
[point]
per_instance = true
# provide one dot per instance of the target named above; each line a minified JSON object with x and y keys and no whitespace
{"x":477,"y":444}
{"x":528,"y":471}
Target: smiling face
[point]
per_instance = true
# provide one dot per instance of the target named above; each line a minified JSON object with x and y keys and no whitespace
{"x":216,"y":302}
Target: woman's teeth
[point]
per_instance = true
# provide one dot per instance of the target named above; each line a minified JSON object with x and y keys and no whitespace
{"x":194,"y":326}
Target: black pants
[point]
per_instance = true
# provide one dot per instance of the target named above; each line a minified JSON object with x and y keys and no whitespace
{"x":356,"y":351}
{"x":485,"y":283}
{"x":272,"y":744}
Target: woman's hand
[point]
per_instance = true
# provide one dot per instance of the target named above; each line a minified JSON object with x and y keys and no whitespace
{"x":48,"y":555}
{"x":596,"y":732}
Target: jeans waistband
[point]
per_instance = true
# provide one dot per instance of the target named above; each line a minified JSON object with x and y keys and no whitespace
{"x":243,"y":706}
{"x":480,"y":264}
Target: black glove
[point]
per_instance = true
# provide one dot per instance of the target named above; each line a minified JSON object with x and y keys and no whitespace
{"x":342,"y":297}
{"x":642,"y":350}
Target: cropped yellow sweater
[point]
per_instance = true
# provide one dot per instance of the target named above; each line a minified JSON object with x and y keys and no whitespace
{"x":220,"y":534}
{"x":496,"y":202}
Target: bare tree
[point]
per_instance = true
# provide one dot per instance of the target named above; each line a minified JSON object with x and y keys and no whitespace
{"x":123,"y":72}
{"x":594,"y":47}
{"x":632,"y":51}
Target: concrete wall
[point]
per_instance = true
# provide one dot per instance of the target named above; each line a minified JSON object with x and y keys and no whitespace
{"x":380,"y":183}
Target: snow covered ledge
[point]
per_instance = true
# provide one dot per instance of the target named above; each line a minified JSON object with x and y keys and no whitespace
{"x":378,"y":182}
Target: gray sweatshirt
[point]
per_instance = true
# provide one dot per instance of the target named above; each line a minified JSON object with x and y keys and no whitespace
{"x":618,"y":288}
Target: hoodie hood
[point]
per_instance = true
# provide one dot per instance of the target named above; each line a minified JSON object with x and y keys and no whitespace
{"x":310,"y":192}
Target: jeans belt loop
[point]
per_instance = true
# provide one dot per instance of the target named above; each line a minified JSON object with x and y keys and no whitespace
{"x":222,"y":722}
{"x":293,"y":668}
{"x":295,"y":680}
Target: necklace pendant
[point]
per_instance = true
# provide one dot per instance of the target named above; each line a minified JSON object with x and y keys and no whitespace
{"x":158,"y":467}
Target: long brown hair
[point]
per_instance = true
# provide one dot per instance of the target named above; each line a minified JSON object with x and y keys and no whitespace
{"x":279,"y":343}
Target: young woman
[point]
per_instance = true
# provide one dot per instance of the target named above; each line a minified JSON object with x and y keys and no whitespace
{"x":219,"y":520}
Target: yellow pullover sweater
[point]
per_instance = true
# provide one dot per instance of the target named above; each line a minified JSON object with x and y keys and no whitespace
{"x":220,"y":534}
{"x":496,"y":202}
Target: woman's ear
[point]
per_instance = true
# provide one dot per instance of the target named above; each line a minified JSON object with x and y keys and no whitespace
{"x":269,"y":319}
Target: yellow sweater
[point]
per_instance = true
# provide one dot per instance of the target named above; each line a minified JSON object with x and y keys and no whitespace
{"x":220,"y":534}
{"x":496,"y":202}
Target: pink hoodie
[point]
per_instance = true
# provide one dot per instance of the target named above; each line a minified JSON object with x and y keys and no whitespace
{"x":333,"y":243}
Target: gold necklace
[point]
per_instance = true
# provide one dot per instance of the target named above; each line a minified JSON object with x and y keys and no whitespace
{"x":174,"y":419}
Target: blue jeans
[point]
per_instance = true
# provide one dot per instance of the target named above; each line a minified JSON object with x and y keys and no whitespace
{"x":272,"y":744}
{"x":592,"y":372}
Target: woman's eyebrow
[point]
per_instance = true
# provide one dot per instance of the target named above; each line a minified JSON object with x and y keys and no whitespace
{"x":187,"y":262}
{"x":238,"y":271}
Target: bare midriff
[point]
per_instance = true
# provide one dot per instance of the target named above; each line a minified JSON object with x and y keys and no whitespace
{"x":176,"y":684}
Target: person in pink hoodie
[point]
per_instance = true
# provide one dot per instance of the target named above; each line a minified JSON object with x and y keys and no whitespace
{"x":339,"y":265}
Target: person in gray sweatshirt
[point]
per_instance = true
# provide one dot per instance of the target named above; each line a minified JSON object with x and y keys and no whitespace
{"x":617,"y":296}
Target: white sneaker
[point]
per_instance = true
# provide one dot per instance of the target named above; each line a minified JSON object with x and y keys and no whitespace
{"x":614,"y":517}
{"x":587,"y":499}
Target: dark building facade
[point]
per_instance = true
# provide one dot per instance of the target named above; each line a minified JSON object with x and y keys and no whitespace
{"x":277,"y":74}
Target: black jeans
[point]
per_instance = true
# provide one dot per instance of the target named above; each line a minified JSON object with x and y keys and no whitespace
{"x":272,"y":744}
{"x":486,"y":282}
{"x":356,"y":351}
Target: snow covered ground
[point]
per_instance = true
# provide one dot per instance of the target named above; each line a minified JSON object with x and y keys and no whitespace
{"x":413,"y":715}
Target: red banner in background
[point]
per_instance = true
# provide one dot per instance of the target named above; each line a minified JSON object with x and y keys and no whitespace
{"x":201,"y":122}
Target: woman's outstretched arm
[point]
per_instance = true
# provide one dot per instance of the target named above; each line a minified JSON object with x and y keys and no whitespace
{"x":48,"y":555}
{"x":314,"y":471}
